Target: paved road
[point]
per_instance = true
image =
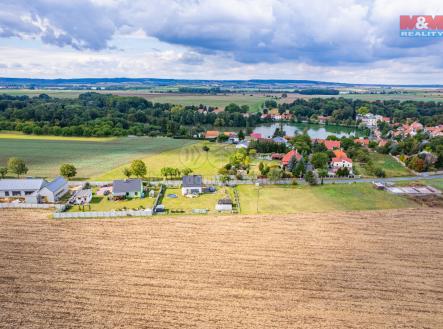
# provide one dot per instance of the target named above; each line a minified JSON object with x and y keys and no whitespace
{"x":389,"y":179}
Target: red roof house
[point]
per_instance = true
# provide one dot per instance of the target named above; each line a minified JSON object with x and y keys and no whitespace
{"x":288,"y":157}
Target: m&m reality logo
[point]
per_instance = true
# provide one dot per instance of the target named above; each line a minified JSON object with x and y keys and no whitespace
{"x":421,"y":26}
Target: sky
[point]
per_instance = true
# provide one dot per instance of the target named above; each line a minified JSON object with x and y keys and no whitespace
{"x":355,"y":41}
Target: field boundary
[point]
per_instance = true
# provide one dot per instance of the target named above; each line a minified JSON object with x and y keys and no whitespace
{"x":101,"y":214}
{"x":31,"y":206}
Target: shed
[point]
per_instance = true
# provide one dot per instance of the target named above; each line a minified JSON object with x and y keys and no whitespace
{"x":224,"y":205}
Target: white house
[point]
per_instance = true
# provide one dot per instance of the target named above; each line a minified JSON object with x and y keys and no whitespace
{"x":192,"y":184}
{"x":369,"y":120}
{"x":54,"y":191}
{"x":34,"y":190}
{"x":128,"y":188}
{"x":342,"y":162}
{"x":224,"y":205}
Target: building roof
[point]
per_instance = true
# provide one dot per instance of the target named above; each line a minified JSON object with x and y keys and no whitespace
{"x":225,"y":201}
{"x":289,"y":155}
{"x":330,"y":145}
{"x":346,"y":159}
{"x":56,"y":184}
{"x":83,"y":193}
{"x":30,"y":184}
{"x":256,"y":135}
{"x":127,"y":186}
{"x":340,"y":154}
{"x":279,"y":139}
{"x":212,"y":134}
{"x":192,"y":181}
{"x":362,"y":141}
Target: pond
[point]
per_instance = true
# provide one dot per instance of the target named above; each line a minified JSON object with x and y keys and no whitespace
{"x":314,"y":130}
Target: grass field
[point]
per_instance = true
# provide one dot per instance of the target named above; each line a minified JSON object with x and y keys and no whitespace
{"x":294,"y":199}
{"x":203,"y":201}
{"x":91,"y":158}
{"x":18,"y":135}
{"x":101,"y":203}
{"x":188,"y":156}
{"x":387,"y":163}
{"x":437,"y":183}
{"x":335,"y":270}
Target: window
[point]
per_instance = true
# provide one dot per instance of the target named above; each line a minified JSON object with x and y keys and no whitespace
{"x":16,"y":193}
{"x":28,"y":192}
{"x":6,"y":193}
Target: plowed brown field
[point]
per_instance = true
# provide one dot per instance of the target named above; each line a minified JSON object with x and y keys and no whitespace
{"x":338,"y":270}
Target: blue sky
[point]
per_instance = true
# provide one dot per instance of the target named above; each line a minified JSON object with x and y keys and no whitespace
{"x":334,"y":40}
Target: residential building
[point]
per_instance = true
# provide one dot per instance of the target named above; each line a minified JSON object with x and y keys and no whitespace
{"x":224,"y":205}
{"x":192,"y":184}
{"x":369,"y":120}
{"x":212,"y":134}
{"x":330,"y":145}
{"x":82,"y":197}
{"x":128,"y":188}
{"x":288,"y":156}
{"x":34,"y":190}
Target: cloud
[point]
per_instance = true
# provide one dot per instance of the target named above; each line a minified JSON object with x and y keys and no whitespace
{"x":208,"y":38}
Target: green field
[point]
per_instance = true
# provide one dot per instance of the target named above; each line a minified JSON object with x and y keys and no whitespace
{"x":436,"y":182}
{"x":340,"y":197}
{"x":186,"y":205}
{"x":18,"y":135}
{"x":92,"y":158}
{"x":188,"y":156}
{"x":101,"y":203}
{"x":387,"y":163}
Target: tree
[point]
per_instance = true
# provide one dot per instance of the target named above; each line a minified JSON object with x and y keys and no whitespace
{"x":275,"y":174}
{"x":138,"y":168}
{"x":292,"y":163}
{"x":310,"y":178}
{"x":320,"y":160}
{"x":362,"y":110}
{"x":342,"y":172}
{"x":380,"y":173}
{"x":127,"y":172}
{"x":3,"y":171}
{"x":68,"y":170}
{"x":299,"y":169}
{"x":322,"y":172}
{"x":186,"y":171}
{"x":17,"y":166}
{"x":205,"y":148}
{"x":241,"y":135}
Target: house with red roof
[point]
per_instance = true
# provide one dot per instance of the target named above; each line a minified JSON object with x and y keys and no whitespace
{"x":330,"y":145}
{"x":212,"y":134}
{"x":362,"y":141}
{"x":255,"y":136}
{"x":288,"y":156}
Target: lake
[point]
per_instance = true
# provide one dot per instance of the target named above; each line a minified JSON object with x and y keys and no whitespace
{"x":314,"y":130}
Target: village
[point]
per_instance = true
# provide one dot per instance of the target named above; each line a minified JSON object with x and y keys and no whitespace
{"x":253,"y":160}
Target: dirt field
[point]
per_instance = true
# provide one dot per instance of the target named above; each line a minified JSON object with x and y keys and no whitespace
{"x":335,"y":270}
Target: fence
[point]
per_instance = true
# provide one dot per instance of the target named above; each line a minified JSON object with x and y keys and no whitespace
{"x":31,"y":206}
{"x":107,"y":214}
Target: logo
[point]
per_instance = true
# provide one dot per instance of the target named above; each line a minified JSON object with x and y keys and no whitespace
{"x":424,"y":26}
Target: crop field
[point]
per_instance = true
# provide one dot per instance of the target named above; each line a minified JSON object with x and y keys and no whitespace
{"x":189,"y":156}
{"x":376,"y":269}
{"x":92,"y":158}
{"x":387,"y":163}
{"x":326,"y":198}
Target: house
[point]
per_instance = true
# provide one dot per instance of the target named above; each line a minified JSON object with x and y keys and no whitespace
{"x":340,"y":154}
{"x":436,"y":131}
{"x":192,"y":184}
{"x":280,"y":140}
{"x":82,"y":197}
{"x":128,"y":188}
{"x":232,"y":137}
{"x":330,"y":145}
{"x":288,"y":156}
{"x":277,"y":156}
{"x":362,"y":141}
{"x":34,"y":190}
{"x":322,"y":119}
{"x":212,"y":134}
{"x":369,"y":120}
{"x":224,"y":205}
{"x":255,"y":136}
{"x":55,"y":190}
{"x":342,"y":162}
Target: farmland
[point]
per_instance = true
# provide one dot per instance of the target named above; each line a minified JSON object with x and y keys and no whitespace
{"x":377,"y":269}
{"x":293,"y":199}
{"x":189,"y":156}
{"x":392,"y":167}
{"x":92,"y":158}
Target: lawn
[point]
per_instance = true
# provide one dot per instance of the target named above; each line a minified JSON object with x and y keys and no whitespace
{"x":203,"y":201}
{"x":188,"y":156}
{"x":18,"y":135}
{"x":101,"y":203}
{"x":436,"y":182}
{"x":387,"y":163}
{"x":340,"y":197}
{"x":92,"y":158}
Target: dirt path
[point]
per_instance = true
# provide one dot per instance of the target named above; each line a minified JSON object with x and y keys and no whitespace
{"x":341,"y":270}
